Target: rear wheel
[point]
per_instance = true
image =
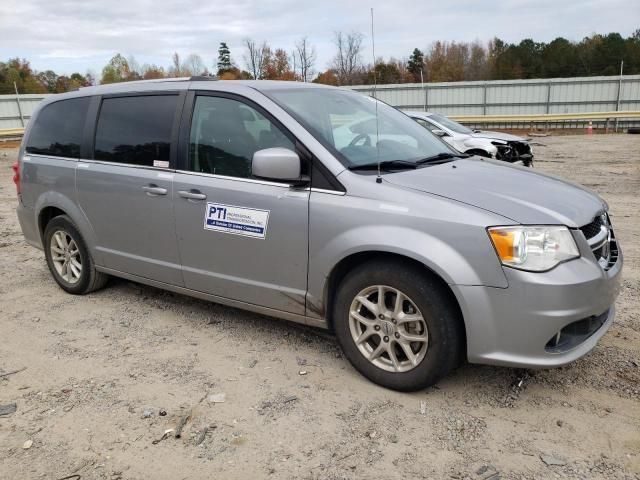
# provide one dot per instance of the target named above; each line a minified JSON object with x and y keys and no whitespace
{"x":68,"y":258}
{"x":397,"y":325}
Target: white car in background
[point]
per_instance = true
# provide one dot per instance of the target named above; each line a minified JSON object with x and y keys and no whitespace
{"x":498,"y":145}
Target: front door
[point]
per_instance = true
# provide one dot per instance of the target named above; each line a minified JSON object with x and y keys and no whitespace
{"x":239,"y":237}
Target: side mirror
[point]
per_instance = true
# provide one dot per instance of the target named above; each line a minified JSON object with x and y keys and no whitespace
{"x":439,"y":133}
{"x":279,"y":164}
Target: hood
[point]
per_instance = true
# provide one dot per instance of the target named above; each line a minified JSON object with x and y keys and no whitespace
{"x":507,"y":137}
{"x":518,"y":193}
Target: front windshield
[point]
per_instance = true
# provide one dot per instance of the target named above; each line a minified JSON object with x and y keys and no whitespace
{"x":450,"y":124}
{"x":345,"y":122}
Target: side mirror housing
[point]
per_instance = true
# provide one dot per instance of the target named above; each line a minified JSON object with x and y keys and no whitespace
{"x":439,"y":133}
{"x":278,"y":164}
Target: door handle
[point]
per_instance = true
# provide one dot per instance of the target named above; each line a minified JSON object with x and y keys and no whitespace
{"x":192,"y":195}
{"x":153,"y":190}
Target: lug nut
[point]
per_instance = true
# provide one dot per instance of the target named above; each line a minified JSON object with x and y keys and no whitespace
{"x":381,"y":317}
{"x":394,"y":320}
{"x":386,"y":339}
{"x":397,"y":335}
{"x":377,"y":327}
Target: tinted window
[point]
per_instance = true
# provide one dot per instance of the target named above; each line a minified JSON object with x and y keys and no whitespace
{"x":58,"y":128}
{"x":225,"y":133}
{"x":135,"y":130}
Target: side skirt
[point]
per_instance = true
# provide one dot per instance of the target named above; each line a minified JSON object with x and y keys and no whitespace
{"x":292,"y":317}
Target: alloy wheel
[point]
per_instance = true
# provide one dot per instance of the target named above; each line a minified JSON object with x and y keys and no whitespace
{"x":388,"y":328}
{"x":65,"y":256}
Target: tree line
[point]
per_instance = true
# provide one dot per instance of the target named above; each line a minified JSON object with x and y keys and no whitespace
{"x":440,"y":62}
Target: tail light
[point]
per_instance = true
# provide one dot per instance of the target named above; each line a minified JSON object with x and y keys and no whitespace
{"x":16,"y":175}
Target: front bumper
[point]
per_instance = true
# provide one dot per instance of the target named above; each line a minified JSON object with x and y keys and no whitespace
{"x":517,"y":153}
{"x":518,"y":326}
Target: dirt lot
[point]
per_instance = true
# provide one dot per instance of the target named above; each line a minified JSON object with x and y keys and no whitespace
{"x":102,"y":369}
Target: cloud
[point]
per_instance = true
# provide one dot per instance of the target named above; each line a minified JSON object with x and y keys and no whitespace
{"x":61,"y":35}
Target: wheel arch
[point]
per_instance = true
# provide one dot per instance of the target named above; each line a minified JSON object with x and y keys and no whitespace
{"x":478,"y":151}
{"x":52,"y":204}
{"x":45,"y":215}
{"x":348,"y":263}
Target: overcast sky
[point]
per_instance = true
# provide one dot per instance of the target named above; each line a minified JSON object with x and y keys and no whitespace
{"x":76,"y":35}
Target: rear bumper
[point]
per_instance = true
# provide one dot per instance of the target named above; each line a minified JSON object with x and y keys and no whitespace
{"x":29,"y":225}
{"x":518,"y":326}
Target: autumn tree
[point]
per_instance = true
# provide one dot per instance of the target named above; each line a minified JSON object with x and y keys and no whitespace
{"x":150,"y":72}
{"x":476,"y":68}
{"x":385,"y":72}
{"x":347,"y":61}
{"x":194,"y":65}
{"x":135,"y":71}
{"x":305,"y":58}
{"x":48,"y":79}
{"x":255,"y":56}
{"x":19,"y":71}
{"x":277,"y":66}
{"x":327,"y":77}
{"x":175,"y":70}
{"x":117,"y":70}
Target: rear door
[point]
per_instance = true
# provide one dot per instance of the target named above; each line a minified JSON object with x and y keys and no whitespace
{"x":125,"y":190}
{"x":240,"y":238}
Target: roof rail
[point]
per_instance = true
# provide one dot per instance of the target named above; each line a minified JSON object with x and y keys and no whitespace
{"x":200,"y":78}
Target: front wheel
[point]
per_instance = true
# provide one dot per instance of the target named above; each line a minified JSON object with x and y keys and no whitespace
{"x":68,"y":258}
{"x":397,"y":325}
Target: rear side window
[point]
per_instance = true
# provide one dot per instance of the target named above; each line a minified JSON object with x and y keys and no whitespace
{"x":57,"y":130}
{"x":135,"y":130}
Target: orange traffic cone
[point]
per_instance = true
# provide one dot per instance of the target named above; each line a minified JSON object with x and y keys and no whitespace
{"x":590,"y":128}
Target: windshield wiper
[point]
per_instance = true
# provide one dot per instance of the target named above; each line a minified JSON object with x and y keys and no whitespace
{"x":440,"y":157}
{"x":386,"y":165}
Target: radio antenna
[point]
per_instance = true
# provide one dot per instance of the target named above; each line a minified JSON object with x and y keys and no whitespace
{"x":375,"y":98}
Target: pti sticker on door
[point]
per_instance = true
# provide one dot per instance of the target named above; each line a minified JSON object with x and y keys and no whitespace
{"x":249,"y":222}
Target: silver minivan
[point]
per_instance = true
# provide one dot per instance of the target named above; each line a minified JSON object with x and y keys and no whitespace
{"x":320,"y":206}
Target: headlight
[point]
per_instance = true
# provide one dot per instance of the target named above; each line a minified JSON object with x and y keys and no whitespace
{"x":535,"y":249}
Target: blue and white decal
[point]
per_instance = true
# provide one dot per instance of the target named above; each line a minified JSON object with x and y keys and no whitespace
{"x":249,"y":222}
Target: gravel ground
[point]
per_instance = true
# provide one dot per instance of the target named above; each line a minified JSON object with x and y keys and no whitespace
{"x":107,"y":374}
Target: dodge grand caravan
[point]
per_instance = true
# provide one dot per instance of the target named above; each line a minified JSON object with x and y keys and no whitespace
{"x":254,"y":195}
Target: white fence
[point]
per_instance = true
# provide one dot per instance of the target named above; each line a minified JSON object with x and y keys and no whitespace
{"x":16,"y":110}
{"x":500,"y":97}
{"x":515,"y":97}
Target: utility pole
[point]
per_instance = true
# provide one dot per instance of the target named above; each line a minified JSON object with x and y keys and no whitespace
{"x":619,"y":94}
{"x":425,"y":90}
{"x":19,"y":106}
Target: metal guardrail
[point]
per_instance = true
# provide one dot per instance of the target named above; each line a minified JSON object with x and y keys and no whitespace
{"x":11,"y":132}
{"x":542,"y":117}
{"x":546,"y":117}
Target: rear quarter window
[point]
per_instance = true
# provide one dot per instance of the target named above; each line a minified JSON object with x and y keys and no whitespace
{"x":58,"y":128}
{"x":135,"y":130}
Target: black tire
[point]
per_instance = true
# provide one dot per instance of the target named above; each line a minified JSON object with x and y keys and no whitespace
{"x":441,"y":315}
{"x":90,"y":279}
{"x":479,"y":153}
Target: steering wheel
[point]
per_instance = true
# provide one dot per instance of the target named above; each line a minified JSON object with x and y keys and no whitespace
{"x":361,"y":136}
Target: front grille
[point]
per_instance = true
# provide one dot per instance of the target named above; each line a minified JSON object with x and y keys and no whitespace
{"x":514,"y":152}
{"x":521,"y":147}
{"x":601,"y":239}
{"x":590,"y":230}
